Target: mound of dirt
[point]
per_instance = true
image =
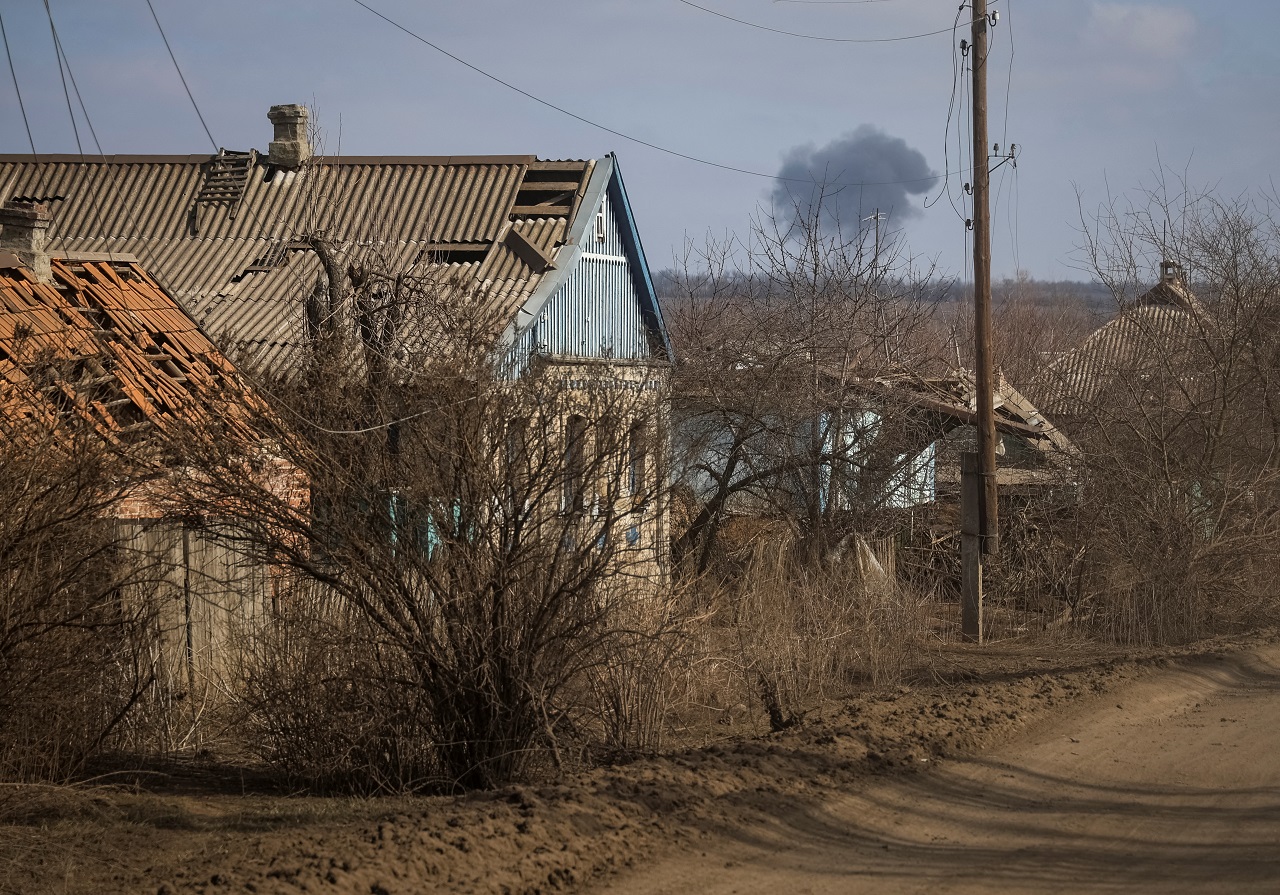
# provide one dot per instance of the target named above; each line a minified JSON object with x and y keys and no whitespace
{"x":539,"y":839}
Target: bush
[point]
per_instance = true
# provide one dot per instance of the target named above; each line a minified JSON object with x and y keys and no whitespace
{"x":74,"y":620}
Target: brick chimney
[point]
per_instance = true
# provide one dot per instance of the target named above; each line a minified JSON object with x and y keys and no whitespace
{"x":1171,"y":274}
{"x":292,"y":144}
{"x":24,"y":230}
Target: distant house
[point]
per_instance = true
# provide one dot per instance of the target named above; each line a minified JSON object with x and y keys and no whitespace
{"x":888,"y":443}
{"x":92,"y":344}
{"x":550,"y":247}
{"x":1129,"y":358}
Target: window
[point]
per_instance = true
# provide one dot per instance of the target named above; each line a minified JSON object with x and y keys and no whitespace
{"x":575,"y":455}
{"x":600,"y":225}
{"x":516,"y":472}
{"x":637,"y":458}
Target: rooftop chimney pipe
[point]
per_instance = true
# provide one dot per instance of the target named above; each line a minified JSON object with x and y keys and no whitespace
{"x":24,"y":230}
{"x":292,"y":144}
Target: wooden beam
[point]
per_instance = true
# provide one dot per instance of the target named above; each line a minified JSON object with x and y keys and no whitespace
{"x":541,"y":210}
{"x":548,"y":186}
{"x":527,"y":252}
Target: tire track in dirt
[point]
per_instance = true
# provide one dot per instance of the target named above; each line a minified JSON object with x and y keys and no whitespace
{"x":1170,"y":783}
{"x":765,"y":804}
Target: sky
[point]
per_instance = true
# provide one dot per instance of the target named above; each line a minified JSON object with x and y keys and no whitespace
{"x":1102,"y":99}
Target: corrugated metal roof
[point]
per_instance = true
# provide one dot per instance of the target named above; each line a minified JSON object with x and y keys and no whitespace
{"x":231,"y":265}
{"x":104,"y":343}
{"x":1136,"y":344}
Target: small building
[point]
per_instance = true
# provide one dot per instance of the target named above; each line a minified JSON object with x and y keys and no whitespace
{"x":91,"y":345}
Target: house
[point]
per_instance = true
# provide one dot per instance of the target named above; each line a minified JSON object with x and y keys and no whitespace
{"x":854,"y":452}
{"x":251,"y":245}
{"x":91,"y":344}
{"x":1131,"y":357}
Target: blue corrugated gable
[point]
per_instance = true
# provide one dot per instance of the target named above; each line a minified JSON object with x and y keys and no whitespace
{"x":597,"y":312}
{"x":603,"y":306}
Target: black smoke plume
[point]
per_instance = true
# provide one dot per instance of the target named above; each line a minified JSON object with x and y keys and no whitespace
{"x":852,"y":176}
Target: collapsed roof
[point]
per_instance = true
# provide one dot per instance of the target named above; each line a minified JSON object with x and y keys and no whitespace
{"x":102,"y":344}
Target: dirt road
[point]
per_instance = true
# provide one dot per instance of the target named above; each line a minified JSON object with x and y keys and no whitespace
{"x":1169,"y":784}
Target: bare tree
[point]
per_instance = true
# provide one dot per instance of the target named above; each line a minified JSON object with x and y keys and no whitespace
{"x":1175,"y":407}
{"x":776,"y":359}
{"x":486,"y":539}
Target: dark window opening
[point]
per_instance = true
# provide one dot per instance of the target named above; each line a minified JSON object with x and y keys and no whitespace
{"x":575,"y":456}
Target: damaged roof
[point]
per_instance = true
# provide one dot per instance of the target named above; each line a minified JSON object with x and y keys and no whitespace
{"x":953,"y":400}
{"x":104,"y":344}
{"x":1129,"y":351}
{"x":225,"y":233}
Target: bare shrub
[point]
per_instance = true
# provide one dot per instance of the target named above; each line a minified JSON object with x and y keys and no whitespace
{"x":331,"y":703}
{"x":792,"y":633}
{"x":630,"y":693}
{"x":74,"y":619}
{"x":483,"y":526}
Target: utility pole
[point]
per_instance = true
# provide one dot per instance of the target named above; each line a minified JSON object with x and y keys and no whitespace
{"x":875,"y":279}
{"x":984,"y":374}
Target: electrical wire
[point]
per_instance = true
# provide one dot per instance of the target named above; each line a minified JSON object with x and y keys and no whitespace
{"x":476,"y":69}
{"x":1017,"y":226}
{"x":617,"y":133}
{"x":182,"y":77}
{"x":833,"y":2}
{"x":16,"y":89}
{"x":253,"y":214}
{"x":954,"y":105}
{"x":63,"y":72}
{"x":842,"y":40}
{"x":200,"y":115}
{"x":257,"y":383}
{"x":964,"y":137}
{"x":1008,"y":84}
{"x":64,"y":60}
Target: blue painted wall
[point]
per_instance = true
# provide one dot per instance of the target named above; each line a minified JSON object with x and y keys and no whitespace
{"x":597,"y":312}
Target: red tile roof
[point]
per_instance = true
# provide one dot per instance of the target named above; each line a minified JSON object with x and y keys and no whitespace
{"x":105,"y":345}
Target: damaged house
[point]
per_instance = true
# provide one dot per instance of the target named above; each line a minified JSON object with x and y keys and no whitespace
{"x":876,"y":448}
{"x":274,"y":252}
{"x":93,"y":348}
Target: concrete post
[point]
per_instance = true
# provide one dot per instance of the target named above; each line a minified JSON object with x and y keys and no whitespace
{"x":971,"y":547}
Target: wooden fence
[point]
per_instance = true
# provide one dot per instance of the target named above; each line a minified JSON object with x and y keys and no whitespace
{"x":207,"y":598}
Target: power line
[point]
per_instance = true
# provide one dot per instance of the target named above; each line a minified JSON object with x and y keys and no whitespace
{"x":957,"y":89}
{"x":64,"y":59}
{"x":181,"y":77}
{"x":16,"y":89}
{"x":617,"y":133}
{"x":63,"y":71}
{"x":833,"y":2}
{"x":1008,"y":83}
{"x":843,"y":40}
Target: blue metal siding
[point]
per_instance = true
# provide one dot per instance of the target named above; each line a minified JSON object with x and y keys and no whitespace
{"x":912,"y":482}
{"x":597,"y":312}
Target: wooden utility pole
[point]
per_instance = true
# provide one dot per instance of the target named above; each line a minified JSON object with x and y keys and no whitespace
{"x":985,"y":372}
{"x":985,"y":494}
